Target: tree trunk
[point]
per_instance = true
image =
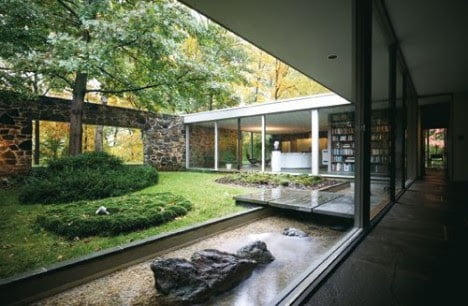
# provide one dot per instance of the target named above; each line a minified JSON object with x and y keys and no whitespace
{"x":76,"y":114}
{"x":37,"y":139}
{"x":210,"y":107}
{"x":99,"y":134}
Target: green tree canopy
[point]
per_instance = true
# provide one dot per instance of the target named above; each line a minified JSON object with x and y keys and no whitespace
{"x":136,"y":48}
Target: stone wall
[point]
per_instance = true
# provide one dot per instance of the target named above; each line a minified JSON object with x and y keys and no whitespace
{"x":15,"y":141}
{"x":202,"y":145}
{"x":164,"y":143}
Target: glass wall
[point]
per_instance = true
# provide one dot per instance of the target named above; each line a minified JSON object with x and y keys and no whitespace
{"x":338,"y":158}
{"x":228,"y":145}
{"x":251,"y":129}
{"x":399,"y":132}
{"x":202,"y":145}
{"x":289,"y":146}
{"x":380,"y":122}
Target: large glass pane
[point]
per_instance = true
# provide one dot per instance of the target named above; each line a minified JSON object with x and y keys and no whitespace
{"x":228,"y":144}
{"x":399,"y":132}
{"x":339,"y":125}
{"x":380,"y":121}
{"x":201,"y":145}
{"x":251,"y":129}
{"x":289,"y":143}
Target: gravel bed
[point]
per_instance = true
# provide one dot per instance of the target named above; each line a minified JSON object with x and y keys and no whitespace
{"x":135,"y":285}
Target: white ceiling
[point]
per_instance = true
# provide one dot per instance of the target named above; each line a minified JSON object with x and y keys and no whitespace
{"x":433,"y":36}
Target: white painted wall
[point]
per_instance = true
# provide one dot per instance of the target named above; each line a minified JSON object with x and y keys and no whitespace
{"x":460,"y":136}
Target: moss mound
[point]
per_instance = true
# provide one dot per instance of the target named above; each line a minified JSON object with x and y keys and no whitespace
{"x":126,"y":213}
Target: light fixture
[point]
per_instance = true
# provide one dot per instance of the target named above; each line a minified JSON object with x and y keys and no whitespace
{"x":332,"y":56}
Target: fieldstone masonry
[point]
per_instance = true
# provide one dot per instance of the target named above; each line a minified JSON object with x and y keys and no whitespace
{"x":164,"y":142}
{"x":163,"y":135}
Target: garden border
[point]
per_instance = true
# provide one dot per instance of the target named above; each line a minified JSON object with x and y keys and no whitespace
{"x":46,"y":281}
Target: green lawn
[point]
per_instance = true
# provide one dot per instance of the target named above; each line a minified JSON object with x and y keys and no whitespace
{"x":25,"y":246}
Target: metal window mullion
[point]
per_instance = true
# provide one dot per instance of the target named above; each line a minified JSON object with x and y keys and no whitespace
{"x":362,"y":90}
{"x":263,"y":142}
{"x":216,"y":157}
{"x":314,"y":141}
{"x":187,"y":146}
{"x":392,"y":51}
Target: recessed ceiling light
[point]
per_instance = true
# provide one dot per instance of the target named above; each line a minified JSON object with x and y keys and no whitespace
{"x":332,"y":56}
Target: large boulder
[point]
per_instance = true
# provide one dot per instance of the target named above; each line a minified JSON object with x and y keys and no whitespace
{"x":179,"y":281}
{"x":257,"y":251}
{"x":294,"y":232}
{"x":210,"y":272}
{"x":222,"y":271}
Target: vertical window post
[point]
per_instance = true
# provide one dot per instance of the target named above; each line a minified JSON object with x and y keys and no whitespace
{"x":392,"y":97}
{"x":315,"y":141}
{"x":263,"y":142}
{"x":362,"y":82}
{"x":239,"y":144}
{"x":216,"y":163}
{"x":187,"y":146}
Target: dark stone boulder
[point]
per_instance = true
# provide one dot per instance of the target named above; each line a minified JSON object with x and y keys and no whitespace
{"x":179,"y":281}
{"x":221,"y":270}
{"x":257,"y":251}
{"x":294,"y":232}
{"x":210,"y":272}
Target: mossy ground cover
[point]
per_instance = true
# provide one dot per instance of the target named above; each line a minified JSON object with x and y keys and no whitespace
{"x":24,"y":245}
{"x":123,"y":214}
{"x":255,"y":179}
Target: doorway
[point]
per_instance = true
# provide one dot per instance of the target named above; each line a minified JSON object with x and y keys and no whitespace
{"x":435,"y":154}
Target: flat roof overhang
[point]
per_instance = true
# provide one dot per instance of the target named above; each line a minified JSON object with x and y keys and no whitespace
{"x":314,"y":37}
{"x":282,"y":106}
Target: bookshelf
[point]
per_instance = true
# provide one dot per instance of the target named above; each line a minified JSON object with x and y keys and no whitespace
{"x":342,"y":145}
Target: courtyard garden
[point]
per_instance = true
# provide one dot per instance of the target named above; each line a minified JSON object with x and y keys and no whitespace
{"x":36,"y":235}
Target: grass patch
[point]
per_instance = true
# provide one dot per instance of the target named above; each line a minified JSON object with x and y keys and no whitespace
{"x":84,"y":177}
{"x":25,"y":246}
{"x":256,"y":179}
{"x":126,"y":213}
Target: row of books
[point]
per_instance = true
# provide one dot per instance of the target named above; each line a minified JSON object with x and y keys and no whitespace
{"x":380,"y":151}
{"x":343,"y":151}
{"x":343,"y":138}
{"x":380,"y":129}
{"x":379,"y":136}
{"x":346,"y":167}
{"x":380,"y":159}
{"x":335,"y":131}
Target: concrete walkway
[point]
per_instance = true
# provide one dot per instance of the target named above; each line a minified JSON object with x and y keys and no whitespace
{"x":416,"y":255}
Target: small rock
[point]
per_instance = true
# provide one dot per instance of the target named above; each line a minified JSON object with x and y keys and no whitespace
{"x":294,"y":232}
{"x":257,"y":251}
{"x":102,"y":211}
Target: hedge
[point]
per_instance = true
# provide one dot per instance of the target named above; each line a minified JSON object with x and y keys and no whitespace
{"x":85,"y":177}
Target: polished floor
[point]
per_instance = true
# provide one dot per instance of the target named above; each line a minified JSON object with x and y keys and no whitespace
{"x":416,"y":255}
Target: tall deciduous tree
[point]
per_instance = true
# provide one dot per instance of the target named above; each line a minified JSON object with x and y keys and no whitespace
{"x":127,"y":46}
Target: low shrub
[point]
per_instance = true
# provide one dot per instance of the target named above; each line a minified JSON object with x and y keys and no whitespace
{"x":85,"y":177}
{"x":274,"y":180}
{"x":126,"y":213}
